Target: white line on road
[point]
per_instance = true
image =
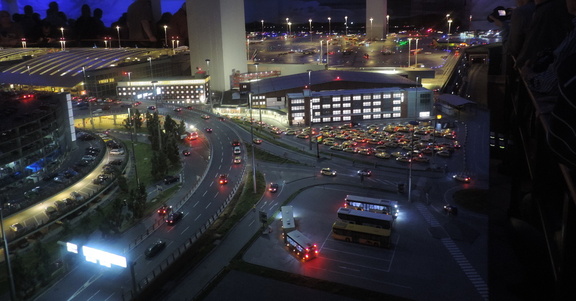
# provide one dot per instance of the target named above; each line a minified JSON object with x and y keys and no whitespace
{"x":197,"y":217}
{"x":208,"y":205}
{"x":204,"y":194}
{"x":196,"y":204}
{"x":185,"y":230}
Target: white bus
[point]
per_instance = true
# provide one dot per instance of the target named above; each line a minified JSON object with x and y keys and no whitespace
{"x":300,"y":245}
{"x":365,"y":218}
{"x":287,"y":219}
{"x":372,"y":204}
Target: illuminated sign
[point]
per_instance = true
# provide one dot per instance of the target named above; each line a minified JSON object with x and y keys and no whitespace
{"x":98,"y":256}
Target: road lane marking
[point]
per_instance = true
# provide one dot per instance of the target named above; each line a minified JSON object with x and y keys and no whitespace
{"x":199,"y":215}
{"x":208,"y":205}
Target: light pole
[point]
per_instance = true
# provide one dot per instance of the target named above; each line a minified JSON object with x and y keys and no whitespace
{"x":62,"y":31}
{"x":346,"y":24}
{"x":321,"y":53}
{"x":413,"y":123}
{"x":371,"y":29}
{"x":85,"y":83}
{"x":387,"y":22}
{"x":151,"y":71}
{"x":118,"y":31}
{"x":262,"y":21}
{"x":409,"y":49}
{"x":289,"y":28}
{"x":470,"y":26}
{"x":416,"y":53}
{"x":310,"y":97}
{"x":330,"y":26}
{"x":166,"y":35}
{"x":438,"y":117}
{"x":207,"y":66}
{"x":252,"y":139}
{"x":310,"y":22}
{"x":449,"y":26}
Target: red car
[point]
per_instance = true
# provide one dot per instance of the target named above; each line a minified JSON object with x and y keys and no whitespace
{"x":164,"y":210}
{"x":223,"y":179}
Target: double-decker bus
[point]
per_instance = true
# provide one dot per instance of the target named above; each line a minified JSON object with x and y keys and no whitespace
{"x":372,"y":205}
{"x":373,"y":236}
{"x":287,"y":219}
{"x":300,"y":245}
{"x":365,"y":218}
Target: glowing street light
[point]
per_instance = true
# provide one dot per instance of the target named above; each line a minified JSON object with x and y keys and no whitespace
{"x":166,"y":35}
{"x":470,"y":23}
{"x":262,"y":21}
{"x":329,"y":26}
{"x":118,"y":31}
{"x":62,"y":31}
{"x":371,"y":28}
{"x":449,"y":25}
{"x":387,"y":22}
{"x":414,"y":124}
{"x":409,"y":48}
{"x":416,"y":53}
{"x":23,"y":42}
{"x":310,"y":21}
{"x":288,"y":24}
{"x":289,"y":28}
{"x":346,"y":24}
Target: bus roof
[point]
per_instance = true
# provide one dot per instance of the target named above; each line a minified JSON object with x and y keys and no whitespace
{"x":369,"y":200}
{"x":300,"y":239}
{"x":361,"y":228}
{"x":367,"y":214}
{"x":287,"y":218}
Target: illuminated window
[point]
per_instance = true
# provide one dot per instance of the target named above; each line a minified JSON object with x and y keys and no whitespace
{"x":346,"y":105}
{"x":346,"y":118}
{"x":336,"y":112}
{"x":346,"y":98}
{"x":315,"y":100}
{"x":367,"y":111}
{"x":366,"y":104}
{"x":376,"y":116}
{"x":356,"y":111}
{"x":346,"y":112}
{"x":397,"y":95}
{"x":336,"y":105}
{"x":386,"y":96}
{"x":315,"y":107}
{"x":376,"y":109}
{"x":396,"y":102}
{"x":366,"y":117}
{"x":376,"y":96}
{"x":297,"y":108}
{"x":326,"y":106}
{"x":336,"y":98}
{"x":386,"y":115}
{"x":297,"y":101}
{"x":316,"y":113}
{"x":377,"y":103}
{"x":396,"y":109}
{"x":300,"y":114}
{"x":326,"y":119}
{"x":357,"y":97}
{"x":316,"y":120}
{"x":337,"y":118}
{"x":396,"y":115}
{"x":365,"y":97}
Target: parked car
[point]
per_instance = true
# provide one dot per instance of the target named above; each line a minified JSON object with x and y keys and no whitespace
{"x":88,"y":158}
{"x":117,"y":151}
{"x":365,"y":172}
{"x":18,"y":228}
{"x":170,"y":179}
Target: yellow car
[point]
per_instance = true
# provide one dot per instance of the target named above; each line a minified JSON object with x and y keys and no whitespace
{"x":237,"y":160}
{"x":328,"y":172}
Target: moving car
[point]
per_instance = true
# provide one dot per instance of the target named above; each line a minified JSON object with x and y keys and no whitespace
{"x":117,"y":151}
{"x":328,"y":172}
{"x":204,"y":116}
{"x":257,"y":140}
{"x":151,"y":108}
{"x":235,"y":143}
{"x":164,"y":210}
{"x":365,"y":172}
{"x":462,"y":178}
{"x":273,"y":187}
{"x":208,"y":130}
{"x":155,"y":248}
{"x":223,"y":179}
{"x":178,"y":110}
{"x":174,"y":217}
{"x":88,"y":158}
{"x":186,"y":152}
{"x":237,"y":150}
{"x":237,"y":160}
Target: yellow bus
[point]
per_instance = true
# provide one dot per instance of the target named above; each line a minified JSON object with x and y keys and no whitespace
{"x":377,"y":237}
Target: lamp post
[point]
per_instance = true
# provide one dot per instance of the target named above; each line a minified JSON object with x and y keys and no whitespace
{"x":413,"y":123}
{"x":346,"y":24}
{"x":151,"y":71}
{"x":262,"y":21}
{"x":310,"y":97}
{"x":289,"y":28}
{"x":252,"y":140}
{"x":449,"y":26}
{"x":470,"y":26}
{"x":438,"y":117}
{"x":207,"y":66}
{"x":310,"y":22}
{"x":166,"y":35}
{"x":23,"y":42}
{"x":62,"y":31}
{"x":118,"y":32}
{"x":84,"y":83}
{"x":258,"y":93}
{"x":287,"y":21}
{"x":329,"y":26}
{"x":387,"y":22}
{"x":321,"y":53}
{"x":416,"y":53}
{"x":371,"y":29}
{"x":409,"y":49}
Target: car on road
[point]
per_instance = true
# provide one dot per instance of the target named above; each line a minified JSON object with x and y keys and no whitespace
{"x":59,"y":179}
{"x":76,"y":196}
{"x":403,"y":159}
{"x":205,"y":116}
{"x":170,"y":179}
{"x":189,"y":108}
{"x":178,"y":110}
{"x":273,"y":187}
{"x":365,"y":172}
{"x":302,"y":136}
{"x":18,"y":228}
{"x":164,"y":210}
{"x":208,"y":130}
{"x":462,"y":177}
{"x":257,"y":140}
{"x":174,"y":217}
{"x":88,"y":158}
{"x":383,"y":155}
{"x":117,"y":151}
{"x":235,"y":142}
{"x":223,"y":179}
{"x":337,"y":147}
{"x":237,"y":160}
{"x":155,"y":248}
{"x":421,"y":159}
{"x":151,"y":108}
{"x":116,"y":162}
{"x":186,"y":153}
{"x":237,"y":150}
{"x":328,"y":172}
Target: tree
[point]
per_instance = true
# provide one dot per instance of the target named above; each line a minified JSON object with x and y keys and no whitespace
{"x":158,"y":166}
{"x":181,"y":129}
{"x":123,"y":184}
{"x":171,"y":151}
{"x":137,"y":119}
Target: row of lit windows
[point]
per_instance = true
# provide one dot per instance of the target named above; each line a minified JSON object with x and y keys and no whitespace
{"x":297,"y":108}
{"x":146,"y":88}
{"x":367,"y":97}
{"x":297,"y":101}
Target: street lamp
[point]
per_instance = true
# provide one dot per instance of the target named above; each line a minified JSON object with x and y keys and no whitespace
{"x":321,"y":52}
{"x":329,"y":27}
{"x":262,"y":21}
{"x":438,"y":117}
{"x":287,"y":25}
{"x":371,"y":28}
{"x":409,"y":49}
{"x":449,"y":26}
{"x":118,"y":31}
{"x":387,"y":22}
{"x":310,"y":22}
{"x":416,"y":53}
{"x":470,"y":27}
{"x":346,"y":24}
{"x":166,"y":35}
{"x":413,"y":123}
{"x":289,"y":28}
{"x":252,"y":139}
{"x":207,"y":66}
{"x":62,"y":31}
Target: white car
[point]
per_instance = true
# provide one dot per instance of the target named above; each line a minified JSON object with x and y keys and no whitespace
{"x":328,"y":172}
{"x":88,"y":158}
{"x":237,"y":150}
{"x":117,"y":151}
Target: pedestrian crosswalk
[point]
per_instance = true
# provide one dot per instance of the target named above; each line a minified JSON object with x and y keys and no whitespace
{"x":470,"y":272}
